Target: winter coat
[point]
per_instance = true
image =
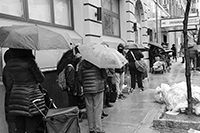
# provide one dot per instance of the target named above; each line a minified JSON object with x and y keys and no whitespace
{"x":193,"y":52}
{"x":174,"y":50}
{"x":120,"y":49}
{"x":138,"y":55}
{"x":91,"y":77}
{"x":21,"y":76}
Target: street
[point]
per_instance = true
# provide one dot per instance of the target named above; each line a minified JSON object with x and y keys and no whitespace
{"x":135,"y":114}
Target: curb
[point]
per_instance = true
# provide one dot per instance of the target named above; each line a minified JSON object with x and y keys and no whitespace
{"x":160,"y":123}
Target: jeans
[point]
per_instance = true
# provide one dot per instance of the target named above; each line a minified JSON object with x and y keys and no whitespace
{"x":27,"y":124}
{"x":94,"y":106}
{"x":135,"y":74}
{"x":119,"y":80}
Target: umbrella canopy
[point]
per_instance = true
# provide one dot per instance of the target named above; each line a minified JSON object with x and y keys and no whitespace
{"x":136,"y":46}
{"x":102,"y":56}
{"x":32,"y":37}
{"x":156,"y":45}
{"x":168,"y":51}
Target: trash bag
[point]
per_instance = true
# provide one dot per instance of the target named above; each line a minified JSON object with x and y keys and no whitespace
{"x":197,"y":109}
{"x":159,"y":98}
{"x":196,"y":93}
{"x":180,"y":107}
{"x":176,"y":95}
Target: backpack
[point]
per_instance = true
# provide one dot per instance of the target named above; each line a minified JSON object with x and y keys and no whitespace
{"x":65,"y":78}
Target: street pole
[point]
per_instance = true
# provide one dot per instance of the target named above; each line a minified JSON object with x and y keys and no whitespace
{"x":187,"y":64}
{"x":156,"y":21}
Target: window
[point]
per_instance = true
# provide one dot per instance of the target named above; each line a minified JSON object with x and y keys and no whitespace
{"x":12,"y":7}
{"x":56,"y":13}
{"x":39,"y":10}
{"x":62,"y":8}
{"x":111,"y":17}
{"x":136,"y":37}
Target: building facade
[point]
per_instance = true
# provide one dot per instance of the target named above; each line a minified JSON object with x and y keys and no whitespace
{"x":86,"y":21}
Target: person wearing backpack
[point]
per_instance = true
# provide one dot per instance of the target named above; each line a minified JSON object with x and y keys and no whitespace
{"x":92,"y":79}
{"x":66,"y":71}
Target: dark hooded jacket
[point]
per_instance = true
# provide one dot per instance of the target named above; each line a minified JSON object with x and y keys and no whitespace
{"x":120,"y":49}
{"x":138,"y":55}
{"x":22,"y":75}
{"x":91,"y":77}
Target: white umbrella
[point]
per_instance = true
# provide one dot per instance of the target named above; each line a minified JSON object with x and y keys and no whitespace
{"x":102,"y":56}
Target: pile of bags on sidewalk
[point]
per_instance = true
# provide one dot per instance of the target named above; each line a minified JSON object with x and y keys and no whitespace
{"x":175,"y":97}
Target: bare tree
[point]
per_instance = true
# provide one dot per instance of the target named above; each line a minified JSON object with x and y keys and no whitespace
{"x":187,"y":64}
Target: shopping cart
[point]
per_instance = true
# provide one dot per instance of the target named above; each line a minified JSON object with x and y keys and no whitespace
{"x":60,"y":120}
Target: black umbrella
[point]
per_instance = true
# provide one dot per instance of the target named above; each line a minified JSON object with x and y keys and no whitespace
{"x":136,"y":47}
{"x":156,"y":45}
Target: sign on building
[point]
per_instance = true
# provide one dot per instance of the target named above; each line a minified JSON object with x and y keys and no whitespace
{"x":179,"y":22}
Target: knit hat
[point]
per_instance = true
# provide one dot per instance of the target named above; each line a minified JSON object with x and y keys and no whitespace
{"x":120,"y":46}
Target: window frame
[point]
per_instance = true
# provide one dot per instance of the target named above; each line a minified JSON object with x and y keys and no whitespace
{"x":26,"y":18}
{"x":113,"y":15}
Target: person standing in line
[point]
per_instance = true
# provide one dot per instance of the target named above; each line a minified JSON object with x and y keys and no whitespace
{"x":174,"y":57}
{"x":135,"y":74}
{"x":23,"y":76}
{"x":92,"y":79}
{"x":119,"y":74}
{"x":193,"y":53}
{"x":72,"y":57}
{"x":182,"y":52}
{"x":10,"y":119}
{"x":109,"y":84}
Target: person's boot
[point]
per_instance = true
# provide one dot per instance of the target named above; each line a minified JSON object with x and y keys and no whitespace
{"x":109,"y":105}
{"x":104,"y":114}
{"x":182,"y":60}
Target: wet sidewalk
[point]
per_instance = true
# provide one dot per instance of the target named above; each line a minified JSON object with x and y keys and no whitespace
{"x":135,"y":114}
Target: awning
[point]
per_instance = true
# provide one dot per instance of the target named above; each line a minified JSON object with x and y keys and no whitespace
{"x":68,"y":34}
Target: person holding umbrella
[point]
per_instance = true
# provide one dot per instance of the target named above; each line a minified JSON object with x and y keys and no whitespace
{"x":135,"y":74}
{"x":10,"y":119}
{"x":23,"y":76}
{"x":119,"y":74}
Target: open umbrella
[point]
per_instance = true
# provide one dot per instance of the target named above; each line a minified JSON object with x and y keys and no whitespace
{"x":168,"y":51}
{"x":32,"y":37}
{"x":102,"y":56}
{"x":136,"y":46}
{"x":156,"y":45}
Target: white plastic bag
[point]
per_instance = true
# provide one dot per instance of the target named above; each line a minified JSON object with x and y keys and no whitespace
{"x":193,"y":131}
{"x":180,"y":107}
{"x":175,"y":96}
{"x":197,"y":109}
{"x":159,"y":98}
